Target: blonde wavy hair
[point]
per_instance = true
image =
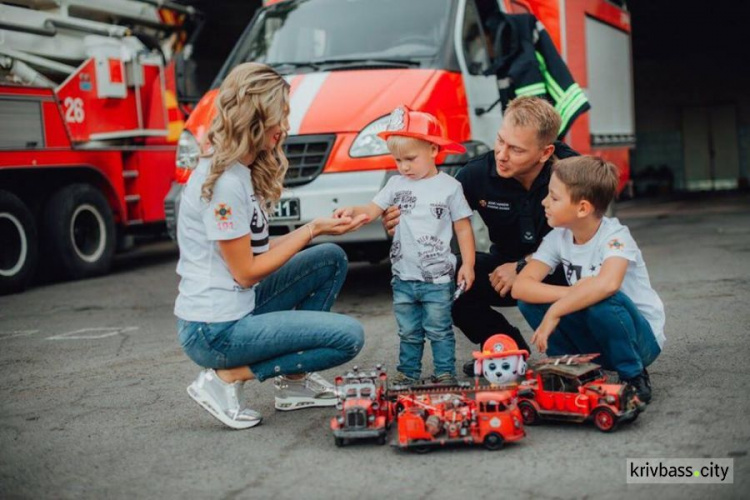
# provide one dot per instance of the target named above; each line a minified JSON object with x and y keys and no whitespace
{"x":252,"y":99}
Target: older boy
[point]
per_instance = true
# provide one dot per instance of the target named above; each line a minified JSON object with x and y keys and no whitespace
{"x":432,"y":206}
{"x":610,"y":307}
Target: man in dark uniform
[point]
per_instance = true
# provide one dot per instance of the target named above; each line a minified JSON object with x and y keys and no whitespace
{"x":506,"y":187}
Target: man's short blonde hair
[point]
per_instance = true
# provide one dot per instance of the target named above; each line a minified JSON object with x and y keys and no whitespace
{"x":589,"y":178}
{"x":536,"y":113}
{"x":397,"y":143}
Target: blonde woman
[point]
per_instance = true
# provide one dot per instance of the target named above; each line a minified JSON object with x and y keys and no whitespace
{"x":250,"y":308}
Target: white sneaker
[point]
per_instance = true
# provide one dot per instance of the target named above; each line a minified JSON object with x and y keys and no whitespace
{"x":308,"y":392}
{"x":222,"y":400}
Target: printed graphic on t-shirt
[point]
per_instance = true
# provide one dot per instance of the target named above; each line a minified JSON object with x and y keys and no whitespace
{"x":396,"y":254}
{"x":438,"y":210}
{"x":432,"y":262}
{"x":616,"y":244}
{"x":259,"y":231}
{"x":223,"y":215}
{"x":572,"y":272}
{"x":405,"y":201}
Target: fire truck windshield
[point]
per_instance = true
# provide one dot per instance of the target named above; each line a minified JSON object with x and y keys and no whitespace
{"x":303,"y":35}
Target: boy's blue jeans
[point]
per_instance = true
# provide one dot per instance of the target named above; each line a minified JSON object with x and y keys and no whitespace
{"x":613,"y":327}
{"x":424,"y":310}
{"x":290,"y":331}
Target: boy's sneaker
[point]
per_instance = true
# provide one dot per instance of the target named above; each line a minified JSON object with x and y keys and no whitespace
{"x":222,"y":400}
{"x":402,"y":380}
{"x":308,"y":392}
{"x":642,"y":385}
{"x":445,"y":379}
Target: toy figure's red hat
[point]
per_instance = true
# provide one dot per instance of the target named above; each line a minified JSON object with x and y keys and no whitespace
{"x":419,"y":125}
{"x":500,"y":346}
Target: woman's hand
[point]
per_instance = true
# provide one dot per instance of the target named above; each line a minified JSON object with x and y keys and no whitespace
{"x":466,"y":274}
{"x":390,"y":219}
{"x":546,"y":328}
{"x":335,"y":226}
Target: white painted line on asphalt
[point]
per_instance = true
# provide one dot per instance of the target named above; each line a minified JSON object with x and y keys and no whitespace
{"x":93,"y":333}
{"x":17,"y":333}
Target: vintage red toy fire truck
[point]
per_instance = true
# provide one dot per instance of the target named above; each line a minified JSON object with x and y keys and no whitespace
{"x":458,"y":415}
{"x":572,"y":388}
{"x":365,"y":411}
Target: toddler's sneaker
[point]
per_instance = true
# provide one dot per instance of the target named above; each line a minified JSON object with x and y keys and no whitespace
{"x":445,"y":379}
{"x":308,"y":392}
{"x":402,"y":380}
{"x":222,"y":400}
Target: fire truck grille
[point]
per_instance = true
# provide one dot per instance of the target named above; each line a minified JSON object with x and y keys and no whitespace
{"x":307,"y":155}
{"x":355,"y":418}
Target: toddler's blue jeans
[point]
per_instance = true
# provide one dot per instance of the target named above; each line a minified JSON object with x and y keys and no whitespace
{"x":424,"y":310}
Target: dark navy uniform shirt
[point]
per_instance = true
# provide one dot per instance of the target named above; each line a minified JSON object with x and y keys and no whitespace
{"x":514,"y":216}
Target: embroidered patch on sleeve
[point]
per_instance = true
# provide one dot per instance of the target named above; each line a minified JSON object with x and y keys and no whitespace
{"x":616,"y":244}
{"x":223,"y":212}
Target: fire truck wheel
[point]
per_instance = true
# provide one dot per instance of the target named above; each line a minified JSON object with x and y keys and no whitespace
{"x":79,"y":232}
{"x":381,"y":440}
{"x":604,"y":419}
{"x":18,"y":251}
{"x":339,"y":441}
{"x":421,"y":449}
{"x":528,"y":413}
{"x":493,"y":441}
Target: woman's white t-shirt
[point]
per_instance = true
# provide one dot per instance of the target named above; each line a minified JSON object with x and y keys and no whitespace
{"x":207,"y":290}
{"x":612,"y":239}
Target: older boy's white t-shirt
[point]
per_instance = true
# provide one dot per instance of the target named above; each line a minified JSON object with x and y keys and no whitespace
{"x":612,"y":239}
{"x":207,"y":290}
{"x":421,"y":245}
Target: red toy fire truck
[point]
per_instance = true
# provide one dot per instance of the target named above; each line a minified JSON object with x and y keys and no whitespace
{"x":365,"y":411}
{"x":458,"y":415}
{"x":572,"y":388}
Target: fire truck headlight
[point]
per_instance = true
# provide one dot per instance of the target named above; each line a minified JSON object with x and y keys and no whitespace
{"x":340,"y":420}
{"x":371,"y":418}
{"x":610,"y":399}
{"x":367,"y":143}
{"x":188,"y":151}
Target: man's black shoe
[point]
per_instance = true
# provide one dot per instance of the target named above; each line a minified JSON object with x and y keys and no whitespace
{"x":468,"y":369}
{"x":642,"y":385}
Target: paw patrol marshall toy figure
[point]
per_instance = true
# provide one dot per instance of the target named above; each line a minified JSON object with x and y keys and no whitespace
{"x":500,"y":361}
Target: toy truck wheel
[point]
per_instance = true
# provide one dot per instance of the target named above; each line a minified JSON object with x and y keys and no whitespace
{"x":339,"y":441}
{"x":381,"y":440}
{"x":493,"y":441}
{"x":604,"y":419}
{"x":79,"y":232}
{"x":421,"y":449}
{"x":19,"y":247}
{"x":528,"y":413}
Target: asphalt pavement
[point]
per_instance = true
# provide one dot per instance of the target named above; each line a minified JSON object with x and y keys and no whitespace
{"x":93,"y":401}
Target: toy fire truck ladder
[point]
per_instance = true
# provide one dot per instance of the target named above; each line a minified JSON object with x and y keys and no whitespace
{"x":105,"y":60}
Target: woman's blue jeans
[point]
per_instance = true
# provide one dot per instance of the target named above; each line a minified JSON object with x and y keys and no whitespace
{"x":290,"y":331}
{"x":613,"y":327}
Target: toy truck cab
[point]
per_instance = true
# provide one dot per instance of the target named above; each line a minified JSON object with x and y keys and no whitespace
{"x":576,"y":393}
{"x":365,"y":412}
{"x":499,"y":419}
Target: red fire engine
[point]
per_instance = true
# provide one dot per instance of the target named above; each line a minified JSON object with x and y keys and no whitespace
{"x":89,"y":123}
{"x":458,"y":415}
{"x":349,"y":63}
{"x":366,"y":413}
{"x":572,"y":388}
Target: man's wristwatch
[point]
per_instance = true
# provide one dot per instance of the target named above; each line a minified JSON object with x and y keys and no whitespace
{"x":520,"y":265}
